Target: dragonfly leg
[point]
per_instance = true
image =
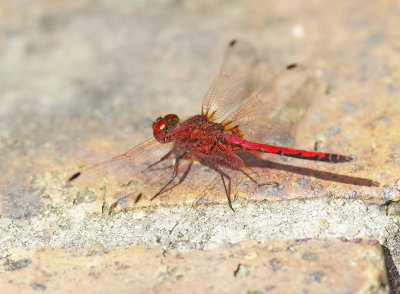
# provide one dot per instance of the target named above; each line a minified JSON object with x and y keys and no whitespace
{"x":161,"y":159}
{"x":182,"y":178}
{"x":227,"y":188}
{"x":184,"y":175}
{"x":257,"y":183}
{"x":174,"y":175}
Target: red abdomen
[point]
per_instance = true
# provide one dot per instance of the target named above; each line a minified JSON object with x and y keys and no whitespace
{"x":237,"y":144}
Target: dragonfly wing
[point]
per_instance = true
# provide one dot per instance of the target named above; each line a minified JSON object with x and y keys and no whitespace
{"x":271,"y":114}
{"x":238,"y":78}
{"x":133,"y":178}
{"x":137,"y":153}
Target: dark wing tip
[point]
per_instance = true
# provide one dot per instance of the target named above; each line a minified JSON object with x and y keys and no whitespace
{"x":138,"y":197}
{"x":232,"y":43}
{"x":74,"y":176}
{"x":290,"y":66}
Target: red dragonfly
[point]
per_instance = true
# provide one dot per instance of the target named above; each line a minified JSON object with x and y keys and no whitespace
{"x":237,"y":116}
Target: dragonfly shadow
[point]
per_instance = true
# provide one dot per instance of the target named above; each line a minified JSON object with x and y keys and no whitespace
{"x":252,"y":160}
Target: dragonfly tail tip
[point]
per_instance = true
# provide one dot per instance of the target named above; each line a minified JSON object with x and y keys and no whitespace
{"x":350,"y":158}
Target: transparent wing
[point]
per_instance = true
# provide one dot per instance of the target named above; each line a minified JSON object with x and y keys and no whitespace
{"x":265,"y":114}
{"x":137,"y":153}
{"x":237,"y":80}
{"x":271,"y":114}
{"x":133,"y":178}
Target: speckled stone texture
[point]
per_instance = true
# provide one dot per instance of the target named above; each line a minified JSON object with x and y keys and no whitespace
{"x":296,"y":266}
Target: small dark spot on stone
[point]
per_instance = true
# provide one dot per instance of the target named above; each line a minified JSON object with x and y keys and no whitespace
{"x":130,"y":183}
{"x":303,"y":182}
{"x":316,"y":276}
{"x":343,"y":239}
{"x":374,"y":39}
{"x":275,"y":264}
{"x":309,"y":256}
{"x":269,"y":288}
{"x":329,"y":89}
{"x":352,"y":195}
{"x":384,"y":119}
{"x":121,"y":266}
{"x":280,"y":187}
{"x":242,"y":271}
{"x":316,"y":188}
{"x":291,"y":249}
{"x":301,"y":241}
{"x":16,"y":265}
{"x":85,"y":197}
{"x":236,"y":270}
{"x":290,"y":66}
{"x":38,"y":287}
{"x":277,"y":188}
{"x":94,"y":274}
{"x":254,"y":292}
{"x":317,"y":145}
{"x":232,"y":43}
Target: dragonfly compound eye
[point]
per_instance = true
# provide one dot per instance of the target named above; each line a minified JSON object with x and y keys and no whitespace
{"x":163,"y":128}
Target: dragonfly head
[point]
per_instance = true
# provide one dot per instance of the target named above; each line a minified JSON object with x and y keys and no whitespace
{"x":164,"y":127}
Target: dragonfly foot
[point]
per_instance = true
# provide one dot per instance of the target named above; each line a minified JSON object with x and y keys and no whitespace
{"x":230,"y":206}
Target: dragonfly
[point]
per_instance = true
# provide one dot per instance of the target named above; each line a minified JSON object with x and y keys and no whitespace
{"x":239,"y":114}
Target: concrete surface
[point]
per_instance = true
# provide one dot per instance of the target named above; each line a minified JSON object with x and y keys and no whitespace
{"x":315,"y":266}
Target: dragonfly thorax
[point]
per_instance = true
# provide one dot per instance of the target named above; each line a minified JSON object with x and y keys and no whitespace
{"x":164,"y":127}
{"x":199,"y":127}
